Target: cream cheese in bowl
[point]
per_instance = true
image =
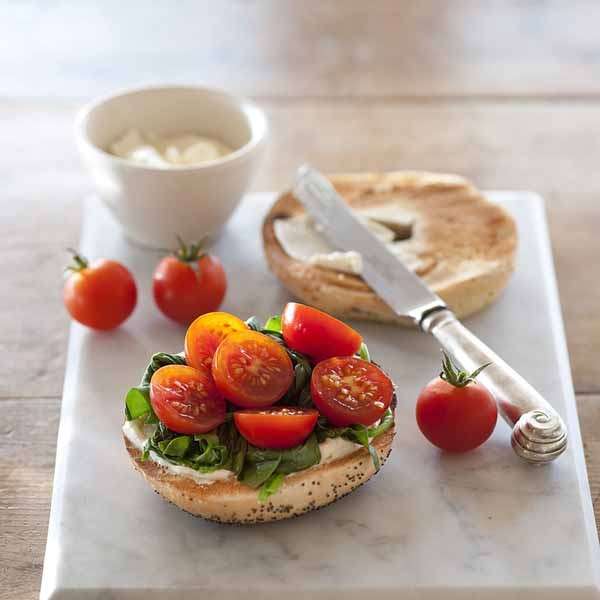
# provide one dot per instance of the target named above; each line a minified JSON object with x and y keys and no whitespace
{"x":186,"y":149}
{"x":171,"y":161}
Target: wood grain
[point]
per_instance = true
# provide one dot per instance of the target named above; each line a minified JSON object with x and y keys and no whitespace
{"x":27,"y":447}
{"x":324,"y":48}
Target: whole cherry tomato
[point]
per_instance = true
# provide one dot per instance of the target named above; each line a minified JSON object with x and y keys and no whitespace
{"x":251,"y":369}
{"x":316,"y":333}
{"x":454,"y":412}
{"x":276,"y":427}
{"x":101,"y":295}
{"x":350,"y":391}
{"x":186,"y":399}
{"x":189,"y":284}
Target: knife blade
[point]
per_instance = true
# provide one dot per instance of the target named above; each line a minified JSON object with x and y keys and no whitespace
{"x":394,"y":283}
{"x":539,"y":435}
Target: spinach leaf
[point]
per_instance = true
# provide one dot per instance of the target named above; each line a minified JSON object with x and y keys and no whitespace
{"x":236,"y":445}
{"x":363,"y":352}
{"x":158,"y":360}
{"x":359,"y":434}
{"x":137,"y":402}
{"x":238,"y":456}
{"x":210,"y":438}
{"x":273,"y":324}
{"x":176,"y":447}
{"x":255,"y":474}
{"x":305,"y":399}
{"x":387,"y":421}
{"x":258,"y":460}
{"x":301,"y":457}
{"x":270,"y":487}
{"x":137,"y":405}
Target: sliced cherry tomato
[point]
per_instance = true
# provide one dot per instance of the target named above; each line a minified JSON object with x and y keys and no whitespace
{"x":316,"y":333}
{"x":454,"y":412}
{"x":187,"y":284}
{"x":205,"y":334}
{"x":101,"y":295}
{"x":277,"y":427}
{"x":186,"y":400}
{"x":350,"y":391}
{"x":252,"y":370}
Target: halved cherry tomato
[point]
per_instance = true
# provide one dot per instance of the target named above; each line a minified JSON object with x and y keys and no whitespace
{"x":316,"y":333}
{"x":205,"y":334}
{"x":186,"y":287}
{"x":101,"y":295}
{"x":252,"y":370}
{"x":277,"y":427}
{"x":186,"y":400}
{"x":350,"y":391}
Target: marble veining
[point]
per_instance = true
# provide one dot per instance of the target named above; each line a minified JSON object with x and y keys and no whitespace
{"x":483,"y":525}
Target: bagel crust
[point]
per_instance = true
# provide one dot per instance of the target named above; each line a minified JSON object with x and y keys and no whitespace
{"x":229,"y":501}
{"x":464,"y":244}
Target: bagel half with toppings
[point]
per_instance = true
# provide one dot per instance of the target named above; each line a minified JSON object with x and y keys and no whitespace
{"x":440,"y":226}
{"x":229,"y":501}
{"x":261,"y":423}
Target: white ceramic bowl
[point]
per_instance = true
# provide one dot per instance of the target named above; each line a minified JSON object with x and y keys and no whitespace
{"x":152,"y":204}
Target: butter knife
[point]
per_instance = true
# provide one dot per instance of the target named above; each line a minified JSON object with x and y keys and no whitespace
{"x":539,"y":434}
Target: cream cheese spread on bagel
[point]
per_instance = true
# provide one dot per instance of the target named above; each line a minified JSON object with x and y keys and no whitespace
{"x":138,"y":434}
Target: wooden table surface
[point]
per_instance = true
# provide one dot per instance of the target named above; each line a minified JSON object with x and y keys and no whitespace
{"x":505,"y":93}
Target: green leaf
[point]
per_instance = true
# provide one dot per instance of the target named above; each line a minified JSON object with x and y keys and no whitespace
{"x":363,"y":352}
{"x":374,"y":457}
{"x":300,"y":457}
{"x":158,"y":360}
{"x":145,"y":452}
{"x":291,"y":460}
{"x":255,"y":474}
{"x":270,"y":487}
{"x":273,"y":323}
{"x":137,"y":403}
{"x":305,"y":398}
{"x":387,"y":421}
{"x":239,"y":456}
{"x":358,"y":434}
{"x":176,"y":447}
{"x":211,"y":437}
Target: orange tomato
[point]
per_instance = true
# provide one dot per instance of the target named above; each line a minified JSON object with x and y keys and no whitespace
{"x":205,"y":334}
{"x":252,"y":370}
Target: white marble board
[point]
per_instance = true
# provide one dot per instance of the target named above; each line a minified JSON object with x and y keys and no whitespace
{"x":482,"y":525}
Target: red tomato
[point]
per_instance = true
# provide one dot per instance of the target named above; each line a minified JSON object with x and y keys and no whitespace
{"x":350,"y":391}
{"x":184,"y":290}
{"x":455,"y":414}
{"x":278,"y":427}
{"x":316,"y":333}
{"x":205,"y":334}
{"x":252,"y":370}
{"x":186,"y":400}
{"x":101,"y":295}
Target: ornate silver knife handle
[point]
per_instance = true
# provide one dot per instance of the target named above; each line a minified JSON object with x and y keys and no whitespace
{"x":539,"y":435}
